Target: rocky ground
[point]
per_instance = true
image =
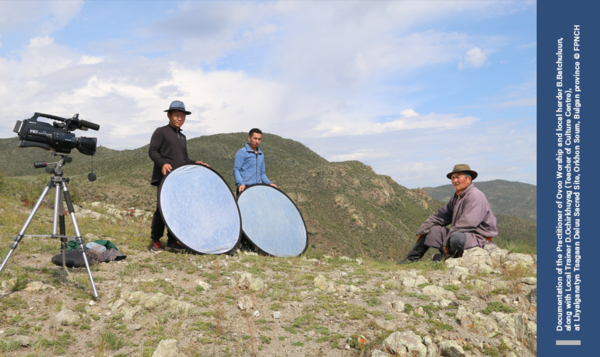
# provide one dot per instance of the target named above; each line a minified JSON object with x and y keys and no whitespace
{"x":178,"y":304}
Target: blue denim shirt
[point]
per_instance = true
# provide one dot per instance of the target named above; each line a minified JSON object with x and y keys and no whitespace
{"x":249,"y":168}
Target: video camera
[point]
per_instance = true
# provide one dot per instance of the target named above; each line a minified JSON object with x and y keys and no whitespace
{"x":56,"y":136}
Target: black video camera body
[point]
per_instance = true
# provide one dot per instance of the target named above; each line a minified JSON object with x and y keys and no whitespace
{"x":56,"y":136}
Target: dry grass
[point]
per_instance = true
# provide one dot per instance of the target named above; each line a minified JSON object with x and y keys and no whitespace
{"x":513,"y":276}
{"x":251,"y":331}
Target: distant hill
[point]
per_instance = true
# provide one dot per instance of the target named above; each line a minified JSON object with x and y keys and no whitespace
{"x":506,"y":197}
{"x":348,"y":208}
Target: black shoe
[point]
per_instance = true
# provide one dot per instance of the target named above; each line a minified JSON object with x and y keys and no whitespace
{"x":156,"y":247}
{"x":174,"y":246}
{"x":439,"y":257}
{"x":416,"y":252}
{"x":407,"y":261}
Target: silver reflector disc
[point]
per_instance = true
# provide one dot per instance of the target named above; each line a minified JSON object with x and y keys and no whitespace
{"x":272,"y":222}
{"x":200,"y":210}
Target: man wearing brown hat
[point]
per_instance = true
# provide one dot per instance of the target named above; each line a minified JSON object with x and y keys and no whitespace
{"x":168,"y":150}
{"x":473,"y":223}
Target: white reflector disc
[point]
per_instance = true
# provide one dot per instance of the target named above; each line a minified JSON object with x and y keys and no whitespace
{"x":272,"y":222}
{"x":200,"y":210}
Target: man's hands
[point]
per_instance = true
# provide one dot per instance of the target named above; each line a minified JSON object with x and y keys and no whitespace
{"x":243,"y":187}
{"x":446,"y":250}
{"x":168,"y":168}
{"x":419,"y":236}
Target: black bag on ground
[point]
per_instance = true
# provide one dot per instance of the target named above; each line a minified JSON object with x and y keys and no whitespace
{"x":74,"y":259}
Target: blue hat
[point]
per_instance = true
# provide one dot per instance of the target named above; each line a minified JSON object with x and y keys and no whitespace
{"x":178,"y":105}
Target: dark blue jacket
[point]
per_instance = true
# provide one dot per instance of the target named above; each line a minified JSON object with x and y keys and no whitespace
{"x":249,"y":167}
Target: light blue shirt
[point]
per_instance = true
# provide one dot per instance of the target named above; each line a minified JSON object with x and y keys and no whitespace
{"x":249,"y":167}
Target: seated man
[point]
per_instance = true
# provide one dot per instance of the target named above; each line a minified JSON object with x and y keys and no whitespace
{"x":473,"y":223}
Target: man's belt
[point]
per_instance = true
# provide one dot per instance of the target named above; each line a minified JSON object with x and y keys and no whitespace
{"x":419,"y":238}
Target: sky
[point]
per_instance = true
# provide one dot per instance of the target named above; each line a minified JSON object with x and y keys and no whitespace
{"x":410,"y":88}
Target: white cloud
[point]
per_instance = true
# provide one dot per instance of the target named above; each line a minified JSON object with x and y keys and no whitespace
{"x":327,"y":71}
{"x":339,"y":44}
{"x":475,"y":58}
{"x":407,"y":113}
{"x":422,"y":157}
{"x":37,"y":17}
{"x":337,"y":126}
{"x":51,"y":78}
{"x":54,"y":79}
{"x":210,"y":31}
{"x":360,"y":154}
{"x":63,"y":12}
{"x":90,"y":60}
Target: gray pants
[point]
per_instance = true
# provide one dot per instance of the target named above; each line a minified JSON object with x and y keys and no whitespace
{"x":456,"y":241}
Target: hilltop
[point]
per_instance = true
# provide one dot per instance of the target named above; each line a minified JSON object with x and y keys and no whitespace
{"x":348,"y":208}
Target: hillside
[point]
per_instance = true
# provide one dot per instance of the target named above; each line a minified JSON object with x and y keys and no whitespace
{"x":348,"y":208}
{"x":169,"y":304}
{"x":510,"y":198}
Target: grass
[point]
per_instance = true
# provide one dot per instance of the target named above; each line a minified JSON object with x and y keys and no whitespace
{"x":516,"y":246}
{"x":15,"y":302}
{"x":373,"y":301}
{"x":514,"y":274}
{"x":438,"y":326}
{"x":430,"y":309}
{"x":500,"y":291}
{"x":59,"y":344}
{"x":418,"y":296}
{"x":111,"y":340}
{"x":451,"y":287}
{"x":8,"y":346}
{"x":286,"y":278}
{"x":20,"y":283}
{"x":496,"y":306}
{"x":490,"y":351}
{"x":161,"y":286}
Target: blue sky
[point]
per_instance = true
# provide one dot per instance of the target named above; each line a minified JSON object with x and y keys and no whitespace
{"x":409,"y":87}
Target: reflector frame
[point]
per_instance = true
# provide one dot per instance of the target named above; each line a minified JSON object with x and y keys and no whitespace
{"x":200,"y":210}
{"x":272,"y":222}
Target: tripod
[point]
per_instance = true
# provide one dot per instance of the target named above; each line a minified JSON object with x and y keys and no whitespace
{"x":60,"y":183}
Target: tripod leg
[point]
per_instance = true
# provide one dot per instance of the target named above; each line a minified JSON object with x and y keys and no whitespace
{"x":78,"y":236}
{"x":63,"y":250}
{"x":19,"y":236}
{"x":59,"y":224}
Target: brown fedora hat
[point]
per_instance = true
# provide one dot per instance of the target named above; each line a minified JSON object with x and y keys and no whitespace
{"x":463,"y":168}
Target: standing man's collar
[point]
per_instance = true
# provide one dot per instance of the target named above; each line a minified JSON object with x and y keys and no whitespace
{"x":174,"y":129}
{"x":249,"y":149}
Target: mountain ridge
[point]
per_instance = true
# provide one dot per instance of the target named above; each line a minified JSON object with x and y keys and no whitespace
{"x":348,"y":208}
{"x":511,"y":198}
